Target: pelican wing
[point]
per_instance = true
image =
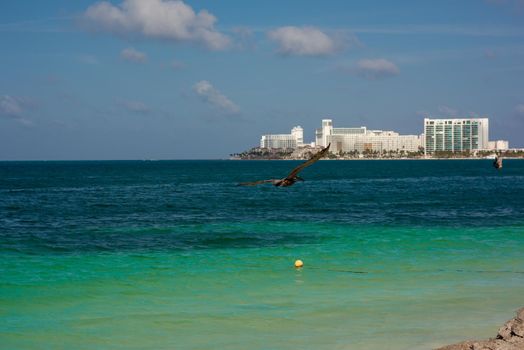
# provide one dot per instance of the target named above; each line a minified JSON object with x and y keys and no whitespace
{"x":254,"y":183}
{"x":311,"y":160}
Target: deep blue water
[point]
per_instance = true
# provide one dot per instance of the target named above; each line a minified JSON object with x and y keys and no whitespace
{"x":151,"y":254}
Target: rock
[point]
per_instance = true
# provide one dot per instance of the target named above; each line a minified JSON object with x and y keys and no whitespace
{"x":509,"y":337}
{"x":518,"y":328}
{"x":514,"y":328}
{"x":520,"y":314}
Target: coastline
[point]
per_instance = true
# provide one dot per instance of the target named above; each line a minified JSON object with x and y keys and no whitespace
{"x":509,"y":337}
{"x":358,"y":159}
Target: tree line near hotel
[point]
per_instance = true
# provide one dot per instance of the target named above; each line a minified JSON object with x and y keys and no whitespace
{"x":257,"y":153}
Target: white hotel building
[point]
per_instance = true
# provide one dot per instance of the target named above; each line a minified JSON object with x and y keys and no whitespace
{"x":499,"y":145}
{"x":456,"y":135}
{"x":293,"y":140}
{"x":361,"y":139}
{"x":446,"y":135}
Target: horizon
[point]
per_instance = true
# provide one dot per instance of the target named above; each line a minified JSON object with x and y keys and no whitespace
{"x":195,"y":80}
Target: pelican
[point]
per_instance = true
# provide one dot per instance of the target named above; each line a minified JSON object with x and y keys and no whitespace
{"x":497,"y":163}
{"x":293,"y":175}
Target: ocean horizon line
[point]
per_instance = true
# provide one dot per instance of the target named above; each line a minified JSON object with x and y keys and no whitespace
{"x":229,"y":159}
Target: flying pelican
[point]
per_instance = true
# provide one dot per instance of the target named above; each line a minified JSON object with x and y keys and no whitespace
{"x":293,"y":175}
{"x":498,"y":162}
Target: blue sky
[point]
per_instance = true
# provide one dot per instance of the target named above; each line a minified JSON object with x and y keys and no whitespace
{"x":142,"y":79}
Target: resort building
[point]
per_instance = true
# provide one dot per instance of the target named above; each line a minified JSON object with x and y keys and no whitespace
{"x":293,"y":140}
{"x":362,"y":140}
{"x":499,"y":145}
{"x":455,"y":135}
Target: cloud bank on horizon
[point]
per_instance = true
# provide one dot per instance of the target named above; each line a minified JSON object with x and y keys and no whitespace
{"x":281,"y":63}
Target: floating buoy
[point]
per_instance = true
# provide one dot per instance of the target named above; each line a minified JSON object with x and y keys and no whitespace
{"x":299,"y":263}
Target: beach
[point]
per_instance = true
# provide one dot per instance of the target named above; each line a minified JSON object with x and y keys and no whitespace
{"x":172,"y":254}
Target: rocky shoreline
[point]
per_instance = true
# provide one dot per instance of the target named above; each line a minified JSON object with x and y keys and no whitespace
{"x":509,"y":337}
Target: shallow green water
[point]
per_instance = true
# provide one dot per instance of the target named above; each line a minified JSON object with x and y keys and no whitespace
{"x":398,"y":254}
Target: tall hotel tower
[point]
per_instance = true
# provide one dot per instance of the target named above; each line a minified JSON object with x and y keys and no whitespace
{"x":455,"y":135}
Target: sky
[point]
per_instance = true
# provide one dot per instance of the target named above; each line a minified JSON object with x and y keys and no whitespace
{"x":163,"y":79}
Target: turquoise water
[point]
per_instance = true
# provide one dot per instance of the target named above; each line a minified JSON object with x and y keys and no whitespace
{"x":173,"y":255}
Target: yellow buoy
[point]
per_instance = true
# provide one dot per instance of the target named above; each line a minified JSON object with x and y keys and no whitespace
{"x":299,"y":263}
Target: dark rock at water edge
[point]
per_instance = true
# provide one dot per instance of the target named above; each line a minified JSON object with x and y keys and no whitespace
{"x":509,"y":337}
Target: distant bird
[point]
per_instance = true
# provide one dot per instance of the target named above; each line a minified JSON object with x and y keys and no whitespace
{"x":293,"y":175}
{"x":497,"y":163}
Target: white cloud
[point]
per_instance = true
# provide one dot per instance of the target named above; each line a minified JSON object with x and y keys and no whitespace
{"x":211,"y":95}
{"x":447,"y":111}
{"x":160,"y":19}
{"x":13,"y":108}
{"x":132,"y":55}
{"x":303,"y":41}
{"x":519,"y":109}
{"x":376,"y":69}
{"x":10,"y":106}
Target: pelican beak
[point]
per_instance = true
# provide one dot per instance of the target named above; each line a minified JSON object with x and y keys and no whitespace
{"x":300,"y":179}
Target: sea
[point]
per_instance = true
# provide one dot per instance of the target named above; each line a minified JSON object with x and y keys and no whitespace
{"x":398,"y":254}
